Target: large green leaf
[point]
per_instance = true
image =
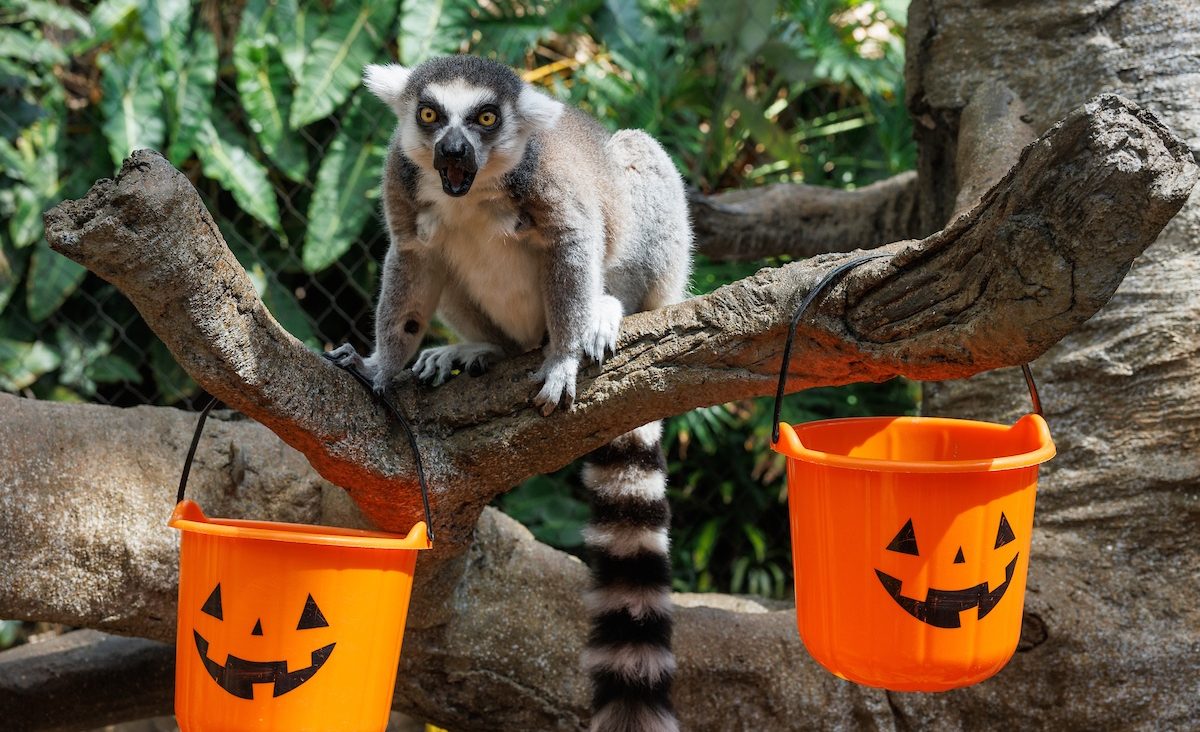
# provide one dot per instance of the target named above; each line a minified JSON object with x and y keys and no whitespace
{"x":12,"y":267}
{"x":33,"y":160}
{"x":25,"y":47}
{"x":224,"y":158}
{"x":265,"y":89}
{"x":296,"y":29}
{"x":22,"y":363}
{"x":347,"y":186}
{"x":52,"y":278}
{"x":507,"y":28}
{"x":740,"y":27}
{"x":283,"y":305}
{"x":132,"y":103}
{"x":87,"y":360}
{"x":165,"y":23}
{"x":424,"y":25}
{"x":190,"y":91}
{"x":48,"y":13}
{"x":353,"y":38}
{"x":26,"y":225}
{"x":11,"y":162}
{"x":108,"y":14}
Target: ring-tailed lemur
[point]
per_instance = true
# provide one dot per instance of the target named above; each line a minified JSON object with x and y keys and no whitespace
{"x":523,"y":221}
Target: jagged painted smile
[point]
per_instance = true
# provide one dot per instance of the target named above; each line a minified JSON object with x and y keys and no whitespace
{"x":238,"y":676}
{"x":941,"y":607}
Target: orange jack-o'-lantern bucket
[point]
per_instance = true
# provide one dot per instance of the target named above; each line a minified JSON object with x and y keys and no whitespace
{"x":910,"y":540}
{"x":287,"y":626}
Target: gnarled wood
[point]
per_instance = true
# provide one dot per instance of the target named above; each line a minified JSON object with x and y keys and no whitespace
{"x":1045,"y":248}
{"x":1112,"y":575}
{"x":797,"y":220}
{"x":493,"y":629}
{"x":84,"y":680}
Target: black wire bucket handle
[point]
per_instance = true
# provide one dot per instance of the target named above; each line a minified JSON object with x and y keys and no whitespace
{"x":412,"y":443}
{"x":816,"y":292}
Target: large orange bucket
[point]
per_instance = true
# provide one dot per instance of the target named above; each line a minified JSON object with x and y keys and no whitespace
{"x":910,"y":540}
{"x":287,"y":627}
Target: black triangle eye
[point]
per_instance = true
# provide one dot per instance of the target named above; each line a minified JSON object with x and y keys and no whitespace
{"x":311,"y":617}
{"x":1004,"y":534}
{"x":905,"y":541}
{"x":212,"y":606}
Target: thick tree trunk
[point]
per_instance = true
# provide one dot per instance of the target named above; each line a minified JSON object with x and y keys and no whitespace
{"x":1113,"y":575}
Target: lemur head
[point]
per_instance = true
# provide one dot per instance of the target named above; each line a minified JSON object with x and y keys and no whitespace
{"x":465,"y":117}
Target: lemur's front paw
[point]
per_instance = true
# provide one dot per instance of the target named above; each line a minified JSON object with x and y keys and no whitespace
{"x":346,"y":357}
{"x":558,"y":383}
{"x":433,"y":365}
{"x":600,"y":340}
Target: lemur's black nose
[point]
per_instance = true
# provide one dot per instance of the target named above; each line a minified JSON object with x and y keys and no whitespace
{"x":454,"y":148}
{"x":454,"y":159}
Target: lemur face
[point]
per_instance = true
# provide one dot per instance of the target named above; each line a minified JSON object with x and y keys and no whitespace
{"x":466,"y":118}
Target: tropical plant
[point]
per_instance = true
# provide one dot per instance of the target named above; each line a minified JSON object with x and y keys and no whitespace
{"x":259,"y":103}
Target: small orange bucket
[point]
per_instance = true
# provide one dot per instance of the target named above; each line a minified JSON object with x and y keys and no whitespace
{"x":287,"y":627}
{"x":910,"y":540}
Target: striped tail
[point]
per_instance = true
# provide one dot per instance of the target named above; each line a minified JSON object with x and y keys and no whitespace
{"x":628,"y":653}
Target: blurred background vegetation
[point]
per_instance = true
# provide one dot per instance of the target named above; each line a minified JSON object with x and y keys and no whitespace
{"x":259,"y":103}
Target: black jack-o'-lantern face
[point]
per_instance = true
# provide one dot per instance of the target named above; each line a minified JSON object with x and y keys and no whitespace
{"x":238,"y":675}
{"x":940,"y":608}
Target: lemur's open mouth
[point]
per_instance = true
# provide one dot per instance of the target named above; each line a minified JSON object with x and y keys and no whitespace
{"x":456,"y":178}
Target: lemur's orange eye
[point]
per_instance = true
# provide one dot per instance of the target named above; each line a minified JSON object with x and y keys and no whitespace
{"x":428,"y":115}
{"x":487,"y":119}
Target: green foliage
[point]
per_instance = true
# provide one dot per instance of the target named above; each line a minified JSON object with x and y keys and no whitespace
{"x":334,"y":61}
{"x":259,"y":104}
{"x":347,"y":183}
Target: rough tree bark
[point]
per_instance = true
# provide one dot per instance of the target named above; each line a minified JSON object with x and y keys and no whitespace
{"x":1113,"y":575}
{"x":1000,"y":285}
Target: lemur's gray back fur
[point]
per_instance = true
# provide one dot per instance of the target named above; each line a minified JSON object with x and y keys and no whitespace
{"x":542,"y":228}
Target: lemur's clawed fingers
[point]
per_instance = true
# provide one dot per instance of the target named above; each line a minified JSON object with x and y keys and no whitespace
{"x":383,"y":378}
{"x":600,"y":340}
{"x":434,"y":365}
{"x":558,"y":384}
{"x":345,"y":356}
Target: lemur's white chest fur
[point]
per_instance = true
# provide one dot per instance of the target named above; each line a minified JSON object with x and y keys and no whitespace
{"x":485,"y":254}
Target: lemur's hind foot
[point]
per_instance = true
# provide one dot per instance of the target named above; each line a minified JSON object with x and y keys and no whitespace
{"x":434,"y":365}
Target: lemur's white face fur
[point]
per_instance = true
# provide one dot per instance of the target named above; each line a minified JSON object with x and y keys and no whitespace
{"x":462,"y":117}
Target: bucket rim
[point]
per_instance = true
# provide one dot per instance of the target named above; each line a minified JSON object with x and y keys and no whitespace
{"x":789,"y":445}
{"x":188,"y":517}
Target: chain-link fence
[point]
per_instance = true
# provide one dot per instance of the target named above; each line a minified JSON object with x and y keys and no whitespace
{"x":109,"y":355}
{"x":259,"y":104}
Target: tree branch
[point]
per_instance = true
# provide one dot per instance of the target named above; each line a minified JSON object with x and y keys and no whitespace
{"x":84,"y":680}
{"x":84,"y":514}
{"x":86,"y":543}
{"x":1043,"y":250}
{"x":802,"y":221}
{"x":992,"y":131}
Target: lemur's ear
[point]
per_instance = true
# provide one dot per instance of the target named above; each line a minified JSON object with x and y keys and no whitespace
{"x":538,"y":109}
{"x":386,"y":81}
